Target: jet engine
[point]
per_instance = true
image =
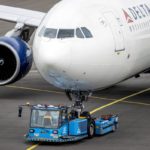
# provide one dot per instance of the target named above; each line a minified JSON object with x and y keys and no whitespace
{"x":15,"y":59}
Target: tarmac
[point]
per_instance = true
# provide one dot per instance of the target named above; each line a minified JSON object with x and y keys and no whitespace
{"x":129,"y":99}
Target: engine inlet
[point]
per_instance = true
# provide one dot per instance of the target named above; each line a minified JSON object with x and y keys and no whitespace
{"x":8,"y":63}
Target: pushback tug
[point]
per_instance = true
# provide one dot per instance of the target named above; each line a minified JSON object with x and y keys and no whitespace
{"x":49,"y":123}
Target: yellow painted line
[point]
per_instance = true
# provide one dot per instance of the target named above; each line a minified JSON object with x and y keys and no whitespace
{"x":33,"y":147}
{"x":94,"y":97}
{"x":33,"y":89}
{"x":138,"y":103}
{"x":119,"y":100}
{"x":49,"y":91}
{"x":103,"y":98}
{"x":129,"y":102}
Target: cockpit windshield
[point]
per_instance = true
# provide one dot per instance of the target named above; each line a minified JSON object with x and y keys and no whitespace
{"x":52,"y":33}
{"x":45,"y":119}
{"x":65,"y":33}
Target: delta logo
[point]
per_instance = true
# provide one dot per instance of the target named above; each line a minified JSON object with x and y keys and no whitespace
{"x":127,"y":16}
{"x":136,"y":12}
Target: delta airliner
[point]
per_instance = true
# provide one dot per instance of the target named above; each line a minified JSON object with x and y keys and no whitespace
{"x":79,"y":45}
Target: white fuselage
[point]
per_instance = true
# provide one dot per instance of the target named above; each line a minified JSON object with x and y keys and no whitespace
{"x":118,"y":49}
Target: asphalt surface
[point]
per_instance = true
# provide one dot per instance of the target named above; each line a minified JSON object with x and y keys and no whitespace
{"x":134,"y":127}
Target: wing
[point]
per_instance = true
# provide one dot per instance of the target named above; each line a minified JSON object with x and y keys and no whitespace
{"x":28,"y":17}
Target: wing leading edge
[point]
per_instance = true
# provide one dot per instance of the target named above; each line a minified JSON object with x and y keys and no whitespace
{"x":28,"y":17}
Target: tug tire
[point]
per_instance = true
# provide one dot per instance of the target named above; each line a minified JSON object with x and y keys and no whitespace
{"x":91,"y":129}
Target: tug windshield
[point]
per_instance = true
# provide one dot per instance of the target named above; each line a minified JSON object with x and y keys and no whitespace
{"x":45,"y":118}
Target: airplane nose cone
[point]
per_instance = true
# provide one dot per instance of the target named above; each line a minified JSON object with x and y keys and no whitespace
{"x":53,"y":54}
{"x":52,"y":60}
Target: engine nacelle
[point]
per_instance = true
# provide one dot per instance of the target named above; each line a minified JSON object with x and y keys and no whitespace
{"x":15,"y":59}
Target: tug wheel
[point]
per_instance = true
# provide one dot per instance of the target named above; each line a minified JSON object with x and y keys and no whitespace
{"x":113,"y":128}
{"x":91,"y":129}
{"x":91,"y":124}
{"x":116,"y":126}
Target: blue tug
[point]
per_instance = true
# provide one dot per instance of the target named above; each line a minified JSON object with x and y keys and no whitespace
{"x":49,"y":123}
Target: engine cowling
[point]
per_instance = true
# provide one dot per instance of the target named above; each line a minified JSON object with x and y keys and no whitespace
{"x":15,"y":59}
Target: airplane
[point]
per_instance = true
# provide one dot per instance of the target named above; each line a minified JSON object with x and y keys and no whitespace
{"x":78,"y":46}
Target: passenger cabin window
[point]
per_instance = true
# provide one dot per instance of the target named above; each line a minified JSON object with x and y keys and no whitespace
{"x":86,"y":32}
{"x":65,"y":33}
{"x":79,"y":33}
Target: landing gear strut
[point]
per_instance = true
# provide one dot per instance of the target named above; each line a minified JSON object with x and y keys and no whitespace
{"x":78,"y":97}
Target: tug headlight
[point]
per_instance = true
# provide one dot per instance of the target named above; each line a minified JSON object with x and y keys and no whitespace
{"x":31,"y":130}
{"x":55,"y":132}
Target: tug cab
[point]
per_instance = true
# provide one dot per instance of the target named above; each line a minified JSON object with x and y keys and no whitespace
{"x":48,"y":117}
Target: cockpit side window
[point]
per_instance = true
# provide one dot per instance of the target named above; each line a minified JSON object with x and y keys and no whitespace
{"x":79,"y":33}
{"x":65,"y":33}
{"x":86,"y":32}
{"x":42,"y":31}
{"x":48,"y":32}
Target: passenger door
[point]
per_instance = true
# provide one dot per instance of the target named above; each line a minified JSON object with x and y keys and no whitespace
{"x":116,"y":30}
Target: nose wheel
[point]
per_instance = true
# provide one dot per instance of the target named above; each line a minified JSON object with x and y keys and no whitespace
{"x":78,"y":98}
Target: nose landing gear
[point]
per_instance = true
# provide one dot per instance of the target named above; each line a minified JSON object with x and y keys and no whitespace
{"x":78,"y":97}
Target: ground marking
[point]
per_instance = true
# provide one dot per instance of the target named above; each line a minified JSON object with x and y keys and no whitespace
{"x":33,"y":147}
{"x":119,"y":100}
{"x":57,"y":92}
{"x":33,"y":89}
{"x":129,"y":102}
